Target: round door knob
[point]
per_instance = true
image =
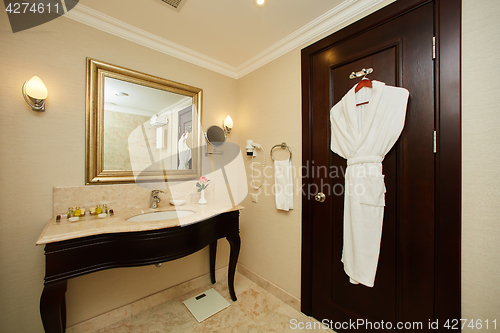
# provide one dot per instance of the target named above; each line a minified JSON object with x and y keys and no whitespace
{"x":320,"y":197}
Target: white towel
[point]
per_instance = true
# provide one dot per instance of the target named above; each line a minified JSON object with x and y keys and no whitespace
{"x":283,"y":184}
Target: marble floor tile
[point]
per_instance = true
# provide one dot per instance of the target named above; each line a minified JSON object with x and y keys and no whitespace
{"x":255,"y":311}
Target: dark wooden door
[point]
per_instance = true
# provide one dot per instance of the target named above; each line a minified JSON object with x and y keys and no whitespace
{"x":400,"y":53}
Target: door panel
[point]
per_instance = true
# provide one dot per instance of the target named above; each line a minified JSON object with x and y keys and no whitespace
{"x":400,"y":52}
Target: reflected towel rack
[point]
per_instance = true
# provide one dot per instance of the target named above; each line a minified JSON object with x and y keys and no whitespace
{"x":282,"y":145}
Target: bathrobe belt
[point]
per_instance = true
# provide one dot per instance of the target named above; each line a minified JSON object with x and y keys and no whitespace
{"x":364,"y":159}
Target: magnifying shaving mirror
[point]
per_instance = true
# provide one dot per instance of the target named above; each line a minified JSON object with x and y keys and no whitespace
{"x":215,"y":136}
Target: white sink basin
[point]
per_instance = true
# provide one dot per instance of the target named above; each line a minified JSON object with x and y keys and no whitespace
{"x":158,"y":216}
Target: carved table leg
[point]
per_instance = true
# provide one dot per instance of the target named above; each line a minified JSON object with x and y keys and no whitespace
{"x":213,"y":252}
{"x":234,"y":242}
{"x":53,"y":307}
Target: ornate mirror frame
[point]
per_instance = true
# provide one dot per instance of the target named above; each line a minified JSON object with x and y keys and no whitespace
{"x":94,"y":131}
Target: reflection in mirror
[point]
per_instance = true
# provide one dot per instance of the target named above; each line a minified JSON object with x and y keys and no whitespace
{"x":139,"y":124}
{"x":215,"y":136}
{"x":125,"y":110}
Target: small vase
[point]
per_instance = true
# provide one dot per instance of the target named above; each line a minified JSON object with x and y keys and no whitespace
{"x":202,"y":200}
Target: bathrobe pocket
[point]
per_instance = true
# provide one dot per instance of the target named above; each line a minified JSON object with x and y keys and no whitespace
{"x":374,"y":191}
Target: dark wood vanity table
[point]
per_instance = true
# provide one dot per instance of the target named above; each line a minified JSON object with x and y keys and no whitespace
{"x":75,"y":257}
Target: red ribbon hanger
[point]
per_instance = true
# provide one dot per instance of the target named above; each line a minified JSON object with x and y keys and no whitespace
{"x":363,"y":83}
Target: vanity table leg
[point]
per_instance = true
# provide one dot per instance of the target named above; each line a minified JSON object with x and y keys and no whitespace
{"x":53,"y":307}
{"x":213,"y":253}
{"x":234,"y":242}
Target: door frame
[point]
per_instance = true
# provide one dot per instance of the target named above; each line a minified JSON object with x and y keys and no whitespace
{"x":448,"y":164}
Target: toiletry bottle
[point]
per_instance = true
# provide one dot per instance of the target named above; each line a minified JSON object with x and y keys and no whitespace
{"x":78,"y":212}
{"x":70,"y":213}
{"x":104,"y":209}
{"x":98,"y":210}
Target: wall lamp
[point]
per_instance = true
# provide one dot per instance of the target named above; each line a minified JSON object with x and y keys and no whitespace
{"x":35,"y":91}
{"x":227,"y":125}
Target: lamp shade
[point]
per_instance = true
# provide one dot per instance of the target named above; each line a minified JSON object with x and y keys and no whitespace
{"x":228,"y":122}
{"x":36,"y":89}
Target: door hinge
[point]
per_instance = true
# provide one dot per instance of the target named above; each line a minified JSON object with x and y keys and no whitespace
{"x":435,"y":142}
{"x":434,"y":47}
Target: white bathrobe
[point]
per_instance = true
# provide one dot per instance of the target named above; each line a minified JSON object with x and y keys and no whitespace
{"x":364,"y":135}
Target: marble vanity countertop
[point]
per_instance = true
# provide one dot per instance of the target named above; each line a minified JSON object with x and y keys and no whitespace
{"x":91,"y":225}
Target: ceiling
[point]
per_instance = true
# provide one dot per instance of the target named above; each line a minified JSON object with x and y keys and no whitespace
{"x":232,"y":37}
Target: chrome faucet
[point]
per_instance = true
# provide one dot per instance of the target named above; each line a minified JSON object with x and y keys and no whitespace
{"x":154,"y":200}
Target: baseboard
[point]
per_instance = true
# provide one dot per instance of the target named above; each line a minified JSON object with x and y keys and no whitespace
{"x":270,"y":287}
{"x":126,"y":311}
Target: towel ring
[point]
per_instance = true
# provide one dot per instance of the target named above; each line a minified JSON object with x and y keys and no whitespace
{"x":283,"y":145}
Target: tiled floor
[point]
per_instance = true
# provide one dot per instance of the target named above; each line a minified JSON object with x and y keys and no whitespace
{"x":256,"y":310}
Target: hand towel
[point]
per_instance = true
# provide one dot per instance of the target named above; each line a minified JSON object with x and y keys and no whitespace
{"x":283,"y":184}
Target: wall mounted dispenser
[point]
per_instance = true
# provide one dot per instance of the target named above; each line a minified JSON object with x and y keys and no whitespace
{"x":250,"y":147}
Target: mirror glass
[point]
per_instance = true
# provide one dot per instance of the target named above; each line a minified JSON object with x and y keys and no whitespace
{"x":140,"y":127}
{"x":215,"y":136}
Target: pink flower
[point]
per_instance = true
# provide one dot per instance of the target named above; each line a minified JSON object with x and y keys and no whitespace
{"x":202,"y":184}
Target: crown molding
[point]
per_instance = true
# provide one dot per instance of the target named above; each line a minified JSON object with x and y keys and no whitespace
{"x":178,"y":106}
{"x":323,"y":24}
{"x":126,"y":31}
{"x":122,"y":109}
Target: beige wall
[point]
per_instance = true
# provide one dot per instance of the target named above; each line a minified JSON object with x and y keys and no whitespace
{"x":41,"y":150}
{"x":269,"y":112}
{"x":480,"y":160}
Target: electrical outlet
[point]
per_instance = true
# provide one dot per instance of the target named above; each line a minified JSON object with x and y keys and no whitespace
{"x":254,"y":197}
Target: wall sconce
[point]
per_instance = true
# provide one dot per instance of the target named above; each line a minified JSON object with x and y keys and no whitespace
{"x":35,"y":91}
{"x":227,"y":125}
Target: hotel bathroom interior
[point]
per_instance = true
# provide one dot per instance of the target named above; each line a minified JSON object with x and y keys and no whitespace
{"x":249,"y":166}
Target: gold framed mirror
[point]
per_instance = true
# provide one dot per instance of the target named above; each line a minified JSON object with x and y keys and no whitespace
{"x":139,"y":127}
